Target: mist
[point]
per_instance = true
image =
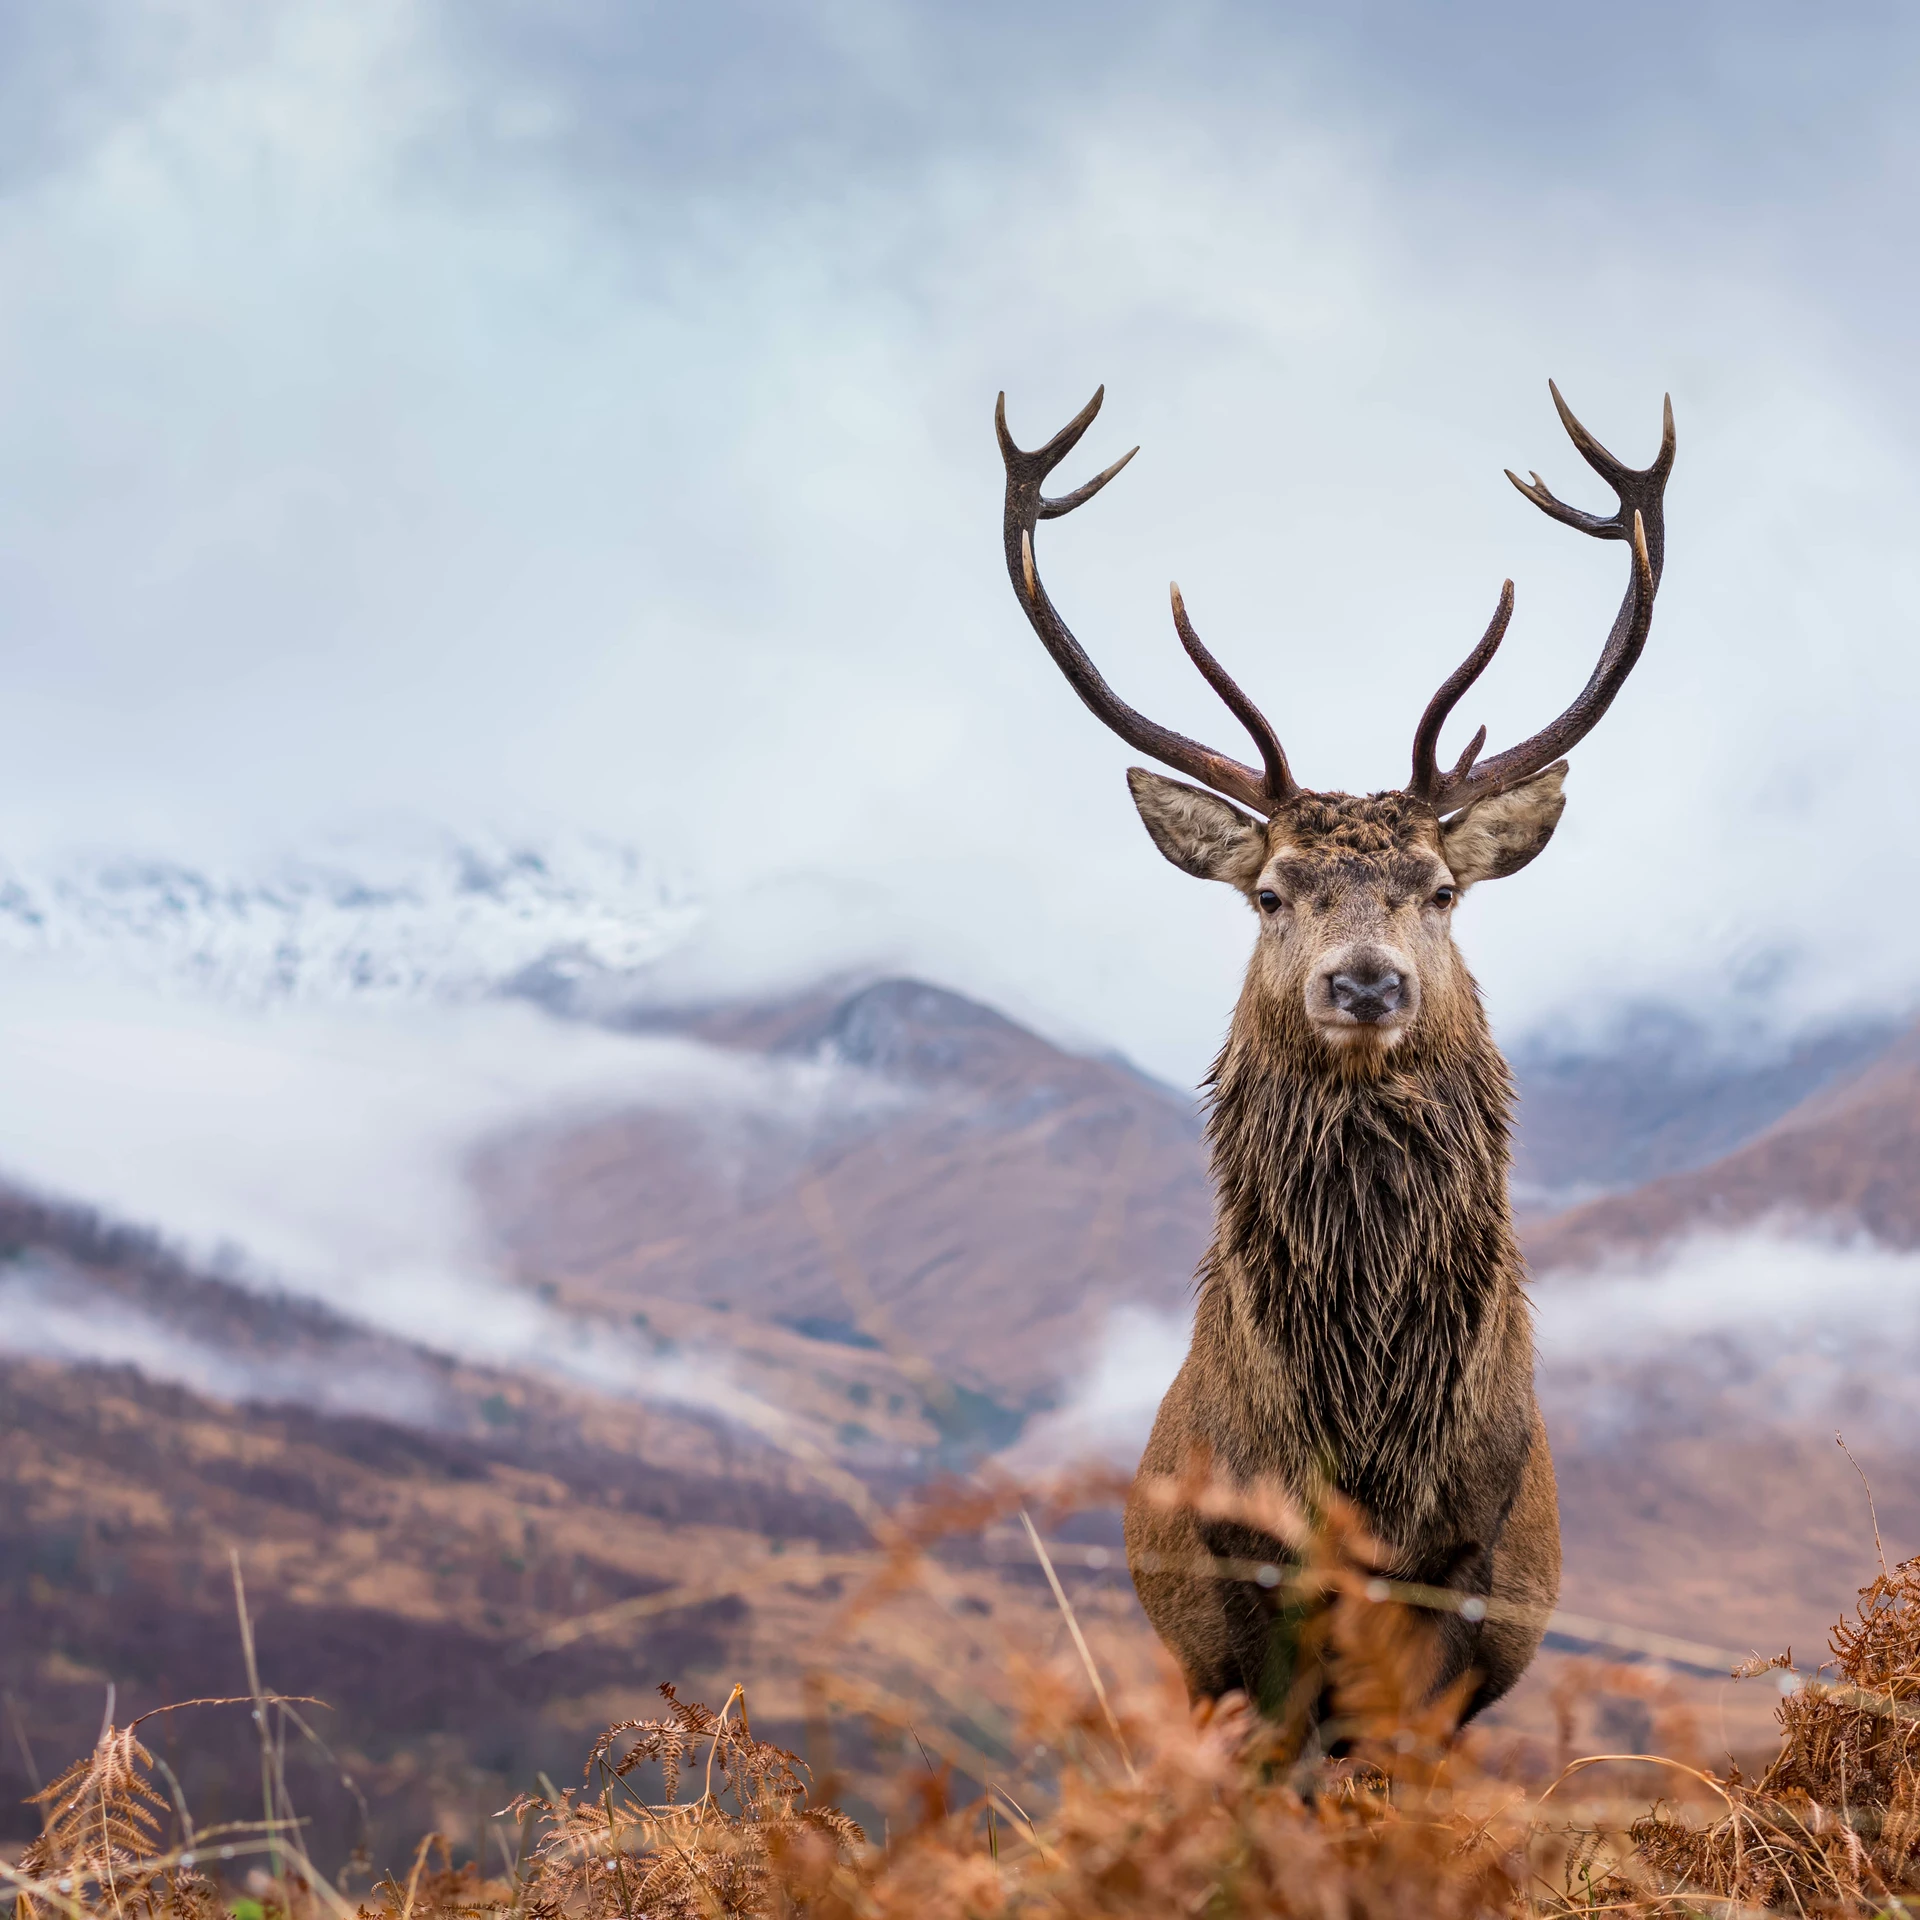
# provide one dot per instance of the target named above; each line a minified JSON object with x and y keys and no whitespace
{"x":49,"y":1313}
{"x":1793,"y":1329}
{"x":323,"y":1151}
{"x":1108,"y":1411}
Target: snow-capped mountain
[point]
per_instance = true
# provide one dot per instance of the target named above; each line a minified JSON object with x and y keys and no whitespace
{"x":440,"y":917}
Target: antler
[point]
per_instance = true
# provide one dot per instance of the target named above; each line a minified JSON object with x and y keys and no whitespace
{"x":1637,"y":520}
{"x":1026,"y":508}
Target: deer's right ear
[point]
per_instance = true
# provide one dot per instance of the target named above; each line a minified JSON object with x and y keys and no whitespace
{"x":1198,"y":831}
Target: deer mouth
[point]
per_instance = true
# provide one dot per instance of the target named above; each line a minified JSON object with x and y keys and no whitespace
{"x":1344,"y":1034}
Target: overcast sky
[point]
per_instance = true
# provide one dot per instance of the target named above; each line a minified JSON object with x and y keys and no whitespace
{"x":573,"y":414}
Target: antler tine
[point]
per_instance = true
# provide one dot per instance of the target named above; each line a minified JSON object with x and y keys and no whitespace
{"x":1427,"y":783}
{"x":1640,"y":520}
{"x":1053,"y":509}
{"x":1043,"y":460}
{"x":1600,"y":525}
{"x":1281,"y":784}
{"x":1637,"y":486}
{"x":1468,"y":755}
{"x":1026,"y":508}
{"x":1610,"y":467}
{"x":1046,"y":458}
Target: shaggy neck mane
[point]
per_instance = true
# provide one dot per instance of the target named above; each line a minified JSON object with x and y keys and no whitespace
{"x":1364,"y":1236}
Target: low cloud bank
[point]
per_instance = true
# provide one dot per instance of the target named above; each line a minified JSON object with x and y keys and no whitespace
{"x":49,"y":1313}
{"x":322,"y":1150}
{"x":1782,"y":1329}
{"x":1763,"y":1287}
{"x":1754,"y":1330}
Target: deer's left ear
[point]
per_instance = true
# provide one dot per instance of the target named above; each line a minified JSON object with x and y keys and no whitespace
{"x":1500,"y":834}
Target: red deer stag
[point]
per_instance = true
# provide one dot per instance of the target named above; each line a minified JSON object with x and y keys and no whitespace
{"x":1360,"y":1318}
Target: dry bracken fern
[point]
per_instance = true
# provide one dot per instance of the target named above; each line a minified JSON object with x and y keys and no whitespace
{"x":1833,"y":1825}
{"x":101,"y":1840}
{"x":610,"y":1852}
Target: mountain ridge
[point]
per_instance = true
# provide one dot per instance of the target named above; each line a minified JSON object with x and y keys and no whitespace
{"x":1844,"y":1160}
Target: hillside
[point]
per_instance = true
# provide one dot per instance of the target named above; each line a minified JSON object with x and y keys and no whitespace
{"x":407,"y":1527}
{"x":399,"y":1563}
{"x":991,"y":1198}
{"x":983,"y":1205}
{"x":1658,"y":1093}
{"x":1845,"y":1160}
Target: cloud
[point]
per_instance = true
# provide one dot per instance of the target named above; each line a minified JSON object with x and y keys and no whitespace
{"x":1749,"y":1331}
{"x":1109,"y":1411}
{"x":1729,"y":1333}
{"x":578,"y":415}
{"x":50,"y":1313}
{"x":323,"y":1149}
{"x":1770,"y":1287}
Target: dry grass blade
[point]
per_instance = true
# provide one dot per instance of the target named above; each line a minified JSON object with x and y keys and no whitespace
{"x":1079,"y":1638}
{"x":259,"y":1706}
{"x":413,"y":1878}
{"x":1873,"y":1512}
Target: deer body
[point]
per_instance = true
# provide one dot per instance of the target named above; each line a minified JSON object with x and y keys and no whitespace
{"x":1361,"y":1321}
{"x":1360,"y":1318}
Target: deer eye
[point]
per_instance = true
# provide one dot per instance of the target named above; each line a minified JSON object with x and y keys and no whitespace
{"x":1269,"y":900}
{"x":1443,"y":898}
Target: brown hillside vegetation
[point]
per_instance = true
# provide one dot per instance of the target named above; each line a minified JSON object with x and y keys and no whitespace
{"x":403,"y":1576}
{"x":470,"y":1611}
{"x":1112,"y":1799}
{"x":1847,"y":1158}
{"x":393,"y":1573}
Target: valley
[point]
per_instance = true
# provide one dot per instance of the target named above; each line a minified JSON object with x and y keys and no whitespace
{"x":743,"y":1329}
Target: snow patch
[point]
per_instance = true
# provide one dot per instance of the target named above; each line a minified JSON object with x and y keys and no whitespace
{"x":400,"y":918}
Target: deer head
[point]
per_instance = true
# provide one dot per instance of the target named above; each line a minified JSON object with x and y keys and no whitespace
{"x":1354,"y":894}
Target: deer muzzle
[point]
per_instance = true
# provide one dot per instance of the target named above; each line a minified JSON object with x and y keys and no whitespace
{"x":1363,"y":987}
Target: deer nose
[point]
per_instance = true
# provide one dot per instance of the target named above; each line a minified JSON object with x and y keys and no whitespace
{"x":1366,"y":994}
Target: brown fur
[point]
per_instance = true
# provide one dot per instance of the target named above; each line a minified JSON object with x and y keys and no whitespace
{"x":1361,"y":1320}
